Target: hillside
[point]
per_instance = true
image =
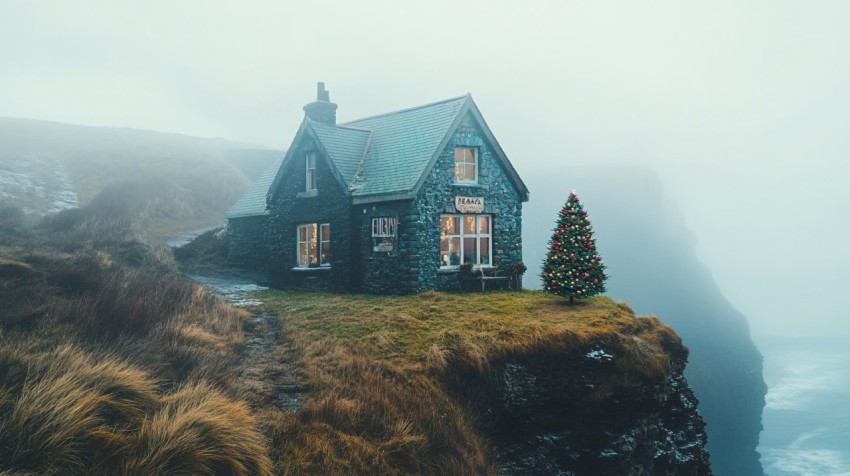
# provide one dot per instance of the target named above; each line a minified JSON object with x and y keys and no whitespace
{"x":176,"y":183}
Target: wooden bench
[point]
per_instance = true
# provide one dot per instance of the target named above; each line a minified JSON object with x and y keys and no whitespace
{"x":484,"y":278}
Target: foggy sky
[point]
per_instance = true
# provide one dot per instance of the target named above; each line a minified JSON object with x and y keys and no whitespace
{"x":743,"y":110}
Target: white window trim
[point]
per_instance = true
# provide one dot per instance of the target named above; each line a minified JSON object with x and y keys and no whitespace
{"x":478,"y":235}
{"x":307,"y":170}
{"x":298,"y":242}
{"x":475,"y":162}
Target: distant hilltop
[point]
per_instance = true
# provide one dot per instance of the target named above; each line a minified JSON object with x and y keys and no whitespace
{"x":46,"y":167}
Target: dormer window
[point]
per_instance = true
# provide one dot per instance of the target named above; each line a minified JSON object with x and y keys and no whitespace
{"x":311,"y":171}
{"x":466,"y":165}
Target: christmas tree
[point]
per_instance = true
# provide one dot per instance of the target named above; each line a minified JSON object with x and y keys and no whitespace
{"x":573,"y":267}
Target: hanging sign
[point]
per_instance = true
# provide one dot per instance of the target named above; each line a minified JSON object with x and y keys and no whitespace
{"x":469,"y":204}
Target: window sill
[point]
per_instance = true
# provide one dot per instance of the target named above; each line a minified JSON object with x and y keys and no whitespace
{"x":466,"y":184}
{"x":308,"y":194}
{"x":313,"y":269}
{"x":456,"y":269}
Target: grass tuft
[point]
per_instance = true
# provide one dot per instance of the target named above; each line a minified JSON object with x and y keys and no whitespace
{"x":198,"y":430}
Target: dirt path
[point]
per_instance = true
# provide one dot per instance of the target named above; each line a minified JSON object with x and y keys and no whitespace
{"x":265,"y":377}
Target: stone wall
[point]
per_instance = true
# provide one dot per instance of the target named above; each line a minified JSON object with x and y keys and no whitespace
{"x":248,"y":243}
{"x":292,"y":207}
{"x":395,"y":272}
{"x":501,"y":200}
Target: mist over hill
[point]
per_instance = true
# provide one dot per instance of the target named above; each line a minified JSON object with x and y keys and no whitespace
{"x":652,"y":263}
{"x":179,"y":182}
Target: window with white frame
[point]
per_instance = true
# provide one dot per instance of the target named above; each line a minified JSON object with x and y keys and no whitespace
{"x":466,"y":165}
{"x":314,"y":245}
{"x":465,"y":239}
{"x":310,"y":167}
{"x":383,"y":233}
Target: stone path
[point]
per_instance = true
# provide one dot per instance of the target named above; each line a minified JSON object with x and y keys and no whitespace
{"x":265,"y":377}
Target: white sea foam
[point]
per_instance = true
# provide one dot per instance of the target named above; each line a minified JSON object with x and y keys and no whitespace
{"x":805,"y":375}
{"x":800,"y":459}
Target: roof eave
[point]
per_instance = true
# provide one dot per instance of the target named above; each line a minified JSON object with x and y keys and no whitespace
{"x":382,"y":198}
{"x":273,"y":189}
{"x":246,"y":215}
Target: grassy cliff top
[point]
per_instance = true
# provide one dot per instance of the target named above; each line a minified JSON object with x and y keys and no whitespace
{"x":429,"y":329}
{"x":384,"y":371}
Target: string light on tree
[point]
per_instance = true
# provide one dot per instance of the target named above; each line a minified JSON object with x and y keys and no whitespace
{"x":573,"y":267}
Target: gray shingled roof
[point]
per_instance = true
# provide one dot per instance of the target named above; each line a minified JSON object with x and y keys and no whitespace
{"x":403,"y":143}
{"x":253,"y":203}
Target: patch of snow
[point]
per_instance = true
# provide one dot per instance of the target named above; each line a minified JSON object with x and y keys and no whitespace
{"x":63,"y":196}
{"x":599,"y":355}
{"x":38,"y":184}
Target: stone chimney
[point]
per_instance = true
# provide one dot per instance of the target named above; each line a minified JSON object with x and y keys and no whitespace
{"x":322,"y":109}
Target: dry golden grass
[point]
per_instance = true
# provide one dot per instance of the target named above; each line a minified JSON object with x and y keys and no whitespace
{"x":68,"y":411}
{"x":197,"y":430}
{"x":112,"y":363}
{"x":386,"y":371}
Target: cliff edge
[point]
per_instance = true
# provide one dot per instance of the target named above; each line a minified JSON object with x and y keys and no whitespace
{"x":499,"y":383}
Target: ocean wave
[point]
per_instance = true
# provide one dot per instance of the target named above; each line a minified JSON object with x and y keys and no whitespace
{"x":799,"y":459}
{"x":805,"y":375}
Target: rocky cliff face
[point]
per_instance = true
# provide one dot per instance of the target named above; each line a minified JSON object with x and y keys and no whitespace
{"x":576,"y":413}
{"x":653,"y":266}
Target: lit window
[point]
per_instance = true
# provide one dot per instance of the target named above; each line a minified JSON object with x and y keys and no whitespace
{"x":311,"y":171}
{"x":383,"y":233}
{"x":466,"y":165}
{"x":314,"y":245}
{"x":465,"y":239}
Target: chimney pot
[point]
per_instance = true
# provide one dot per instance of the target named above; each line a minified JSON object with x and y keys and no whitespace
{"x":321,"y":93}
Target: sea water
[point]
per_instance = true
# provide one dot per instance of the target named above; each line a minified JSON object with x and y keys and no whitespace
{"x":807,"y":408}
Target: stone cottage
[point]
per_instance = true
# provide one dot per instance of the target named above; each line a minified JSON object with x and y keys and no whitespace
{"x":392,"y":203}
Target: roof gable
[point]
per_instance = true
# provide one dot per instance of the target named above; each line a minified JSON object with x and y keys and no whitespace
{"x":471,"y":108}
{"x":344,"y":146}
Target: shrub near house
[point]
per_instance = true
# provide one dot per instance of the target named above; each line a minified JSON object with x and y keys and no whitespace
{"x":393,"y":203}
